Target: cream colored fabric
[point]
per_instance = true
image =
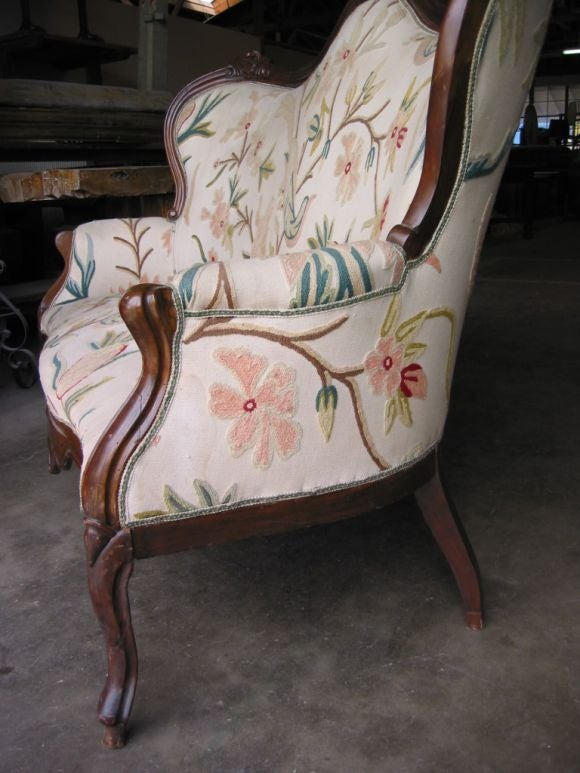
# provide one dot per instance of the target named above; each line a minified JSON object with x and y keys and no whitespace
{"x":295,"y":280}
{"x":109,"y":256}
{"x":337,"y":159}
{"x":278,"y":390}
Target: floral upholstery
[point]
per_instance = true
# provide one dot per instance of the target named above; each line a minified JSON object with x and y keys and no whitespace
{"x":310,"y":353}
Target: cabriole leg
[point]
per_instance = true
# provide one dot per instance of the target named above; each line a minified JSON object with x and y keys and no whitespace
{"x":446,"y":528}
{"x":109,"y":566}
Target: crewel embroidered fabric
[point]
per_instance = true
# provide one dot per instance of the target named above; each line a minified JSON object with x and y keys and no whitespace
{"x":265,"y":402}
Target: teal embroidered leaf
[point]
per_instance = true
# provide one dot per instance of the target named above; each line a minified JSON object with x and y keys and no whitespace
{"x":364,"y":272}
{"x":314,"y":128}
{"x":87,"y":271}
{"x":185,"y":288}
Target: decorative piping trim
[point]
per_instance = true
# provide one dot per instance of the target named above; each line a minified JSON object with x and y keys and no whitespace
{"x":467,"y":137}
{"x":278,"y":498}
{"x":160,"y":418}
{"x":417,"y":20}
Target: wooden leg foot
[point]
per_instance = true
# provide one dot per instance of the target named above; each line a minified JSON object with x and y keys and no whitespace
{"x":114,"y":737}
{"x":445,"y":526}
{"x":474,"y":620}
{"x":109,"y":567}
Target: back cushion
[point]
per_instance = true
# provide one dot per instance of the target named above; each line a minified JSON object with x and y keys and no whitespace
{"x":273,"y":170}
{"x":357,"y":158}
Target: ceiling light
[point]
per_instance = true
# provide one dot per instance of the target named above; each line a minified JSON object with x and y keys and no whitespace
{"x":571,"y":51}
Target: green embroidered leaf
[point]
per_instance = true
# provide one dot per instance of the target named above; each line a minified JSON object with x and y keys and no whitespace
{"x":231,"y":495}
{"x":77,"y":396}
{"x":369,"y":88}
{"x":206,"y":494}
{"x":409,"y":327}
{"x":267,"y":168}
{"x":391,"y":411}
{"x":174,"y":503}
{"x":292,"y":219}
{"x":326,"y":402}
{"x":350,"y":94}
{"x":236,"y":195}
{"x":391,"y":316}
{"x":403,"y":408}
{"x":414,"y":350}
{"x":326,"y":149}
{"x":148,"y":514}
{"x":203,"y":130}
{"x":323,"y":235}
{"x":199,"y":126}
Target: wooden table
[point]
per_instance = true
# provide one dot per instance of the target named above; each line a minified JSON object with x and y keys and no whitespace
{"x":84,"y":183}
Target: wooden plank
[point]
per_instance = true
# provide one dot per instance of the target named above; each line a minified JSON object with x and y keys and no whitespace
{"x":21,"y":126}
{"x":86,"y":183}
{"x":21,"y":92}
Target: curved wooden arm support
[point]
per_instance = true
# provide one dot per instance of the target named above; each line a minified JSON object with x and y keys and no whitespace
{"x":109,"y":556}
{"x":151,"y":316}
{"x":63,"y":241}
{"x":64,"y":447}
{"x":445,"y":126}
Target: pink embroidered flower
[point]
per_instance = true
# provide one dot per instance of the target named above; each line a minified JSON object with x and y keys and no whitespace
{"x":414,"y":381}
{"x":167,"y":240}
{"x":212,"y":256}
{"x":347,"y":167}
{"x":383,"y":367}
{"x":219,"y":217}
{"x":397,"y":134}
{"x":261,"y":412}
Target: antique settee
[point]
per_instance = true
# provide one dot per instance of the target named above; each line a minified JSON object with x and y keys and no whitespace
{"x":278,"y":352}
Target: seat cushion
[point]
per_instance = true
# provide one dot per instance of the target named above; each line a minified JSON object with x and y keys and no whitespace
{"x":89,"y":365}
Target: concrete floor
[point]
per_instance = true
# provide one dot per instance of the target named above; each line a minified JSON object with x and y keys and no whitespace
{"x":340,"y":648}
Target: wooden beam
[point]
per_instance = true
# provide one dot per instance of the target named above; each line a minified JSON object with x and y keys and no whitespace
{"x":153,"y":43}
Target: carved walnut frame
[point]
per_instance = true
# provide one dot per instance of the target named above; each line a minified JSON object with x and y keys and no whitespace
{"x":151,"y":317}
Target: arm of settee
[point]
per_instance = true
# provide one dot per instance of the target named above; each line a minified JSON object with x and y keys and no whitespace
{"x":107,"y":257}
{"x":294,"y":280}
